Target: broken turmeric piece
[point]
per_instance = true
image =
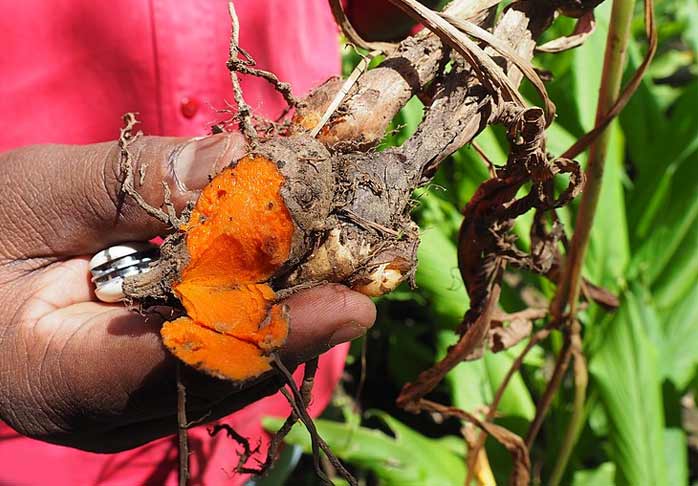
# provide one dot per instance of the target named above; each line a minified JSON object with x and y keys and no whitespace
{"x":238,"y":235}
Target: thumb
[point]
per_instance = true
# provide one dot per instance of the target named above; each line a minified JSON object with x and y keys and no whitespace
{"x":66,"y":200}
{"x":323,"y":317}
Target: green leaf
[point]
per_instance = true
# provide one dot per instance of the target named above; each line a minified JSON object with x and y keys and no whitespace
{"x":587,"y":68}
{"x":689,"y":12}
{"x":661,"y":254}
{"x":679,"y":356}
{"x":625,"y":370}
{"x":438,"y":277}
{"x":437,"y":212}
{"x":662,"y":167}
{"x":560,"y":139}
{"x":680,"y":274}
{"x":407,"y":459}
{"x":643,"y":120}
{"x":406,"y":342}
{"x":473,"y":384}
{"x":604,"y":475}
{"x":516,"y":401}
{"x":675,"y":452}
{"x":469,"y":383}
{"x":404,"y":124}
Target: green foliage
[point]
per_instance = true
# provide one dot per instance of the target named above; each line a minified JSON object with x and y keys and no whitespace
{"x":625,"y":369}
{"x":404,"y":458}
{"x":604,"y":475}
{"x":643,"y":358}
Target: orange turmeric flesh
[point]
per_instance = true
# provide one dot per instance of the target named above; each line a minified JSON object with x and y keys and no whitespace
{"x":238,"y":235}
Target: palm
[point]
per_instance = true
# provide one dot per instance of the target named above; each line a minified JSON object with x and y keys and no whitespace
{"x":73,"y":368}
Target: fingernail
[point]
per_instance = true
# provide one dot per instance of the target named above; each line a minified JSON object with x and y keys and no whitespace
{"x":348,"y":332}
{"x":197,"y":160}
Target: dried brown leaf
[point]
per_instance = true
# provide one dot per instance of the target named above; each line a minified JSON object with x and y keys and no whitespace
{"x":600,"y":295}
{"x":503,"y":337}
{"x":510,"y":54}
{"x":584,"y":27}
{"x":489,"y":73}
{"x":514,"y":444}
{"x":520,"y":474}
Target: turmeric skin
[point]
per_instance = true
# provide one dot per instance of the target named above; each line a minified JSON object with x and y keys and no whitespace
{"x":238,"y":235}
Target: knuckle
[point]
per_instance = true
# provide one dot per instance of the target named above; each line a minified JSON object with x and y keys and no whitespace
{"x":110,"y":181}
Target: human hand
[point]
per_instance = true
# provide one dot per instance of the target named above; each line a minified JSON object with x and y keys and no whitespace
{"x":95,"y":376}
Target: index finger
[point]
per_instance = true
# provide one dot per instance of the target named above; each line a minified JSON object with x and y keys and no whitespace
{"x":66,"y":200}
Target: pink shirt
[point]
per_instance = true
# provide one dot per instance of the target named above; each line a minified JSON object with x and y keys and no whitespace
{"x":70,"y":69}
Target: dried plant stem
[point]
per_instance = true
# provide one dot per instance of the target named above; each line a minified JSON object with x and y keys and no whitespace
{"x":563,"y":361}
{"x":614,"y":61}
{"x":488,"y":72}
{"x":128,"y":181}
{"x":294,"y":396}
{"x":247,"y":450}
{"x":362,"y":376}
{"x":244,"y":112}
{"x":581,"y":380}
{"x":310,"y":368}
{"x":571,"y":278}
{"x":247,"y":66}
{"x":182,"y":426}
{"x":515,"y":366}
{"x":491,"y":167}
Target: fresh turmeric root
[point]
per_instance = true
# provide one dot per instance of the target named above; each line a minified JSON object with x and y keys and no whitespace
{"x":301,"y":210}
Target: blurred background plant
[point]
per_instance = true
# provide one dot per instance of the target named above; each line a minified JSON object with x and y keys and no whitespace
{"x":640,"y":420}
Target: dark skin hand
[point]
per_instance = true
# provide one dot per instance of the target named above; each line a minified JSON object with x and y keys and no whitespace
{"x":74,"y":370}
